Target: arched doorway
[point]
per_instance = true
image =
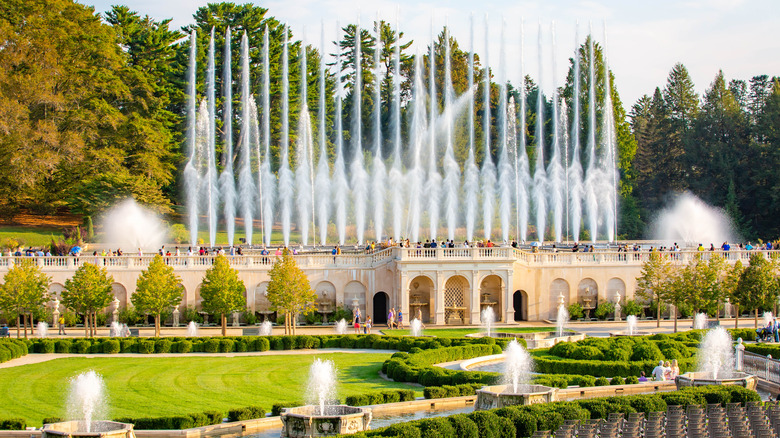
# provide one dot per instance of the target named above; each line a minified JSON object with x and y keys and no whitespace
{"x":261,"y":304}
{"x":421,"y":298}
{"x":455,"y":292}
{"x":588,"y":296}
{"x":325,"y":303}
{"x":520,"y":305}
{"x":120,"y":293}
{"x":558,"y":287}
{"x":490,"y":296}
{"x":381,"y":303}
{"x":616,"y":286}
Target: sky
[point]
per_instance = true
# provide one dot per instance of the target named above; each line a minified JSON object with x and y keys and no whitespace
{"x":644,"y":39}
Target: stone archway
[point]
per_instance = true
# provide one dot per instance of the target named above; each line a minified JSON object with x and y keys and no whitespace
{"x":588,"y":296}
{"x":421,"y":300}
{"x":558,"y":287}
{"x":381,"y":305}
{"x":325,"y":303}
{"x":490,"y":295}
{"x":55,"y":291}
{"x":355,"y":293}
{"x":616,"y":286}
{"x":261,"y":304}
{"x":456,"y":292}
{"x":120,"y":293}
{"x":520,"y":305}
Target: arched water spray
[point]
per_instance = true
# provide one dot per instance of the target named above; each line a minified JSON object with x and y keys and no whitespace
{"x":339,"y":184}
{"x":322,"y":180}
{"x":505,"y":173}
{"x":227,"y":182}
{"x":433,"y":184}
{"x":540,"y":176}
{"x":574,"y":172}
{"x":379,"y":177}
{"x":396,"y":177}
{"x":246,"y":186}
{"x":286,"y":190}
{"x":592,"y":173}
{"x":191,"y":170}
{"x":555,"y":171}
{"x":471,"y":172}
{"x":608,"y":189}
{"x":359,"y":178}
{"x":211,"y":189}
{"x":523,"y":163}
{"x":303,"y":145}
{"x":488,"y":173}
{"x":267,"y":178}
{"x":417,"y":136}
{"x":451,"y":168}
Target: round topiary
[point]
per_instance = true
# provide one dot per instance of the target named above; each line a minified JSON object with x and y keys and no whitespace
{"x":617,"y":353}
{"x":632,"y":380}
{"x":586,"y":353}
{"x":617,"y":380}
{"x":646,"y":351}
{"x":601,"y":381}
{"x":487,"y":423}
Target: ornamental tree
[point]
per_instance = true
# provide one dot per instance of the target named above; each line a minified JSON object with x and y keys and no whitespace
{"x":157,"y":290}
{"x":88,"y":291}
{"x":653,"y":283}
{"x":289,"y":291}
{"x":222,"y":291}
{"x":24,"y":291}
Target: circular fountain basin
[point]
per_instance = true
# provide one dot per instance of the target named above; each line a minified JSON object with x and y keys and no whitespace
{"x":306,"y":421}
{"x":704,"y":378}
{"x":498,"y":396}
{"x":72,"y":429}
{"x":627,"y":333}
{"x":536,"y":339}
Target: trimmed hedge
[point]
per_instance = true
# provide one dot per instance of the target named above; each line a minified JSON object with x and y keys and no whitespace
{"x":247,"y":413}
{"x":13,"y":424}
{"x":277,"y":408}
{"x":379,"y":397}
{"x":764,"y":349}
{"x":12,"y":349}
{"x":523,"y":421}
{"x":186,"y":421}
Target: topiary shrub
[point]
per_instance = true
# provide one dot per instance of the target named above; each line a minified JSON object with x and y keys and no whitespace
{"x":632,"y":380}
{"x":586,"y":353}
{"x":146,"y":347}
{"x":646,"y":351}
{"x":487,"y":424}
{"x":617,"y":380}
{"x":436,"y":428}
{"x":211,"y":346}
{"x":50,"y":420}
{"x":262,"y":344}
{"x":357,"y":400}
{"x":403,"y":430}
{"x":110,"y":346}
{"x":80,"y":347}
{"x":226,"y":345}
{"x":463,"y":426}
{"x":162,"y":346}
{"x":523,"y":421}
{"x":13,"y":424}
{"x":247,"y":413}
{"x":601,"y":381}
{"x":617,"y":353}
{"x":62,"y":346}
{"x":277,"y":408}
{"x":184,"y":346}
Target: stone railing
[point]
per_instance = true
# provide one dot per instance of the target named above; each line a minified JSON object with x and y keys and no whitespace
{"x":762,"y":366}
{"x":614,"y":258}
{"x":454,"y":254}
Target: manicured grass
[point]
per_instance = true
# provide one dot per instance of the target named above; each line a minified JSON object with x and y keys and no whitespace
{"x":29,"y":236}
{"x":460,"y":332}
{"x":138,"y":387}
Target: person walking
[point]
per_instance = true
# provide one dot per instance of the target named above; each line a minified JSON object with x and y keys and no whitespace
{"x":357,"y":321}
{"x":61,"y":324}
{"x":400,"y":320}
{"x":390,"y":318}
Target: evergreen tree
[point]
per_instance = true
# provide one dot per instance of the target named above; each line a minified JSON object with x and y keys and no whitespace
{"x":681,"y":104}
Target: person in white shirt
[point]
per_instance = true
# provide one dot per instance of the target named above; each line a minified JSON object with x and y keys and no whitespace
{"x":659,"y":372}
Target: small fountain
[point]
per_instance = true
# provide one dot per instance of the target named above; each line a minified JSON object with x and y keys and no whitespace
{"x":716,"y":364}
{"x":517,"y":390}
{"x":42,"y":329}
{"x":632,"y":329}
{"x":86,"y":401}
{"x":341,"y":327}
{"x":700,"y":321}
{"x":116,"y":330}
{"x":192,"y":329}
{"x":265,"y":329}
{"x":488,"y":319}
{"x":562,"y":317}
{"x":767,"y":318}
{"x":416,"y":327}
{"x":319,"y":418}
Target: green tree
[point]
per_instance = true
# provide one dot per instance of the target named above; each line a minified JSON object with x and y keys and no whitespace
{"x":23,"y":292}
{"x":730,"y":283}
{"x":157,"y":290}
{"x":757,"y":286}
{"x":87,"y":292}
{"x":222,"y":291}
{"x":289,"y":291}
{"x":653,"y":282}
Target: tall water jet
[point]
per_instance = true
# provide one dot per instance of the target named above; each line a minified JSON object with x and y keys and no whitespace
{"x":246,"y":186}
{"x":608,"y":188}
{"x":540,"y":176}
{"x":321,"y":387}
{"x":227,"y":182}
{"x":339,"y":184}
{"x":86,"y":399}
{"x":716,"y":354}
{"x":42,"y":329}
{"x":191,"y":170}
{"x":631,"y":325}
{"x":341,"y":327}
{"x":700,"y":321}
{"x":555,"y":170}
{"x":505,"y":182}
{"x":451,"y":168}
{"x":574,"y":172}
{"x":265,"y":329}
{"x":433,"y":184}
{"x":267,"y":178}
{"x":193,"y":329}
{"x":471,"y":172}
{"x":379,"y":177}
{"x":304,"y":145}
{"x":488,"y":319}
{"x":211,"y":189}
{"x":523,"y":163}
{"x":562,"y":318}
{"x":488,"y":172}
{"x":518,"y":367}
{"x":591,"y":175}
{"x":415,"y":328}
{"x":396,"y":177}
{"x":415,"y":175}
{"x":286,"y":190}
{"x":322,"y":180}
{"x":359,"y":175}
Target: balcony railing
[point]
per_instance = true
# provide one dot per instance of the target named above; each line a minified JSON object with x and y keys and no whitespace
{"x":761,"y":366}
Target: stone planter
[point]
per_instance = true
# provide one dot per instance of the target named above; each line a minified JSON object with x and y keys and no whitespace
{"x":491,"y":397}
{"x":705,"y":378}
{"x":306,"y":421}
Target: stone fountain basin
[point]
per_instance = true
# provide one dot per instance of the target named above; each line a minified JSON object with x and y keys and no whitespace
{"x":305,"y":421}
{"x":626,"y":333}
{"x":704,"y":378}
{"x":498,"y":396}
{"x":104,"y":429}
{"x":537,"y":339}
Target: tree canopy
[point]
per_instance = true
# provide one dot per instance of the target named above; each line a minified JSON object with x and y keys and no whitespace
{"x":87,"y":292}
{"x":222,"y":291}
{"x":24,"y":292}
{"x":157,"y":290}
{"x":289,"y":291}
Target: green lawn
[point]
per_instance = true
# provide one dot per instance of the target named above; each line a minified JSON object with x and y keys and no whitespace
{"x":29,"y":236}
{"x":139,"y":387}
{"x":460,"y":332}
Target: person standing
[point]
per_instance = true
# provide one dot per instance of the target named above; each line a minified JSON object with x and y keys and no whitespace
{"x":61,"y":324}
{"x":357,"y":321}
{"x":400,"y":320}
{"x":390,"y":318}
{"x":659,"y":372}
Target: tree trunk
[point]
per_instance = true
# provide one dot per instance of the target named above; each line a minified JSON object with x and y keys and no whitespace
{"x":157,"y":325}
{"x":717,"y":311}
{"x":18,"y":323}
{"x":86,"y":324}
{"x":658,"y":320}
{"x":736,"y":316}
{"x":755,"y":318}
{"x":224,"y":324}
{"x":675,"y":319}
{"x":24,"y":321}
{"x":292,"y":321}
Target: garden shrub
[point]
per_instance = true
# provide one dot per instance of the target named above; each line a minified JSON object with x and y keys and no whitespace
{"x":50,"y":420}
{"x":13,"y":424}
{"x":184,"y":346}
{"x":111,"y":346}
{"x":601,"y":381}
{"x":146,"y":347}
{"x":211,"y":346}
{"x":277,"y":408}
{"x":436,"y":428}
{"x":357,"y":400}
{"x":463,"y":426}
{"x":214,"y":417}
{"x":646,"y":351}
{"x":617,"y":353}
{"x":632,"y":380}
{"x":262,"y":344}
{"x":246,"y":413}
{"x":586,"y":353}
{"x":80,"y":347}
{"x":241,"y":347}
{"x":390,"y":396}
{"x":62,"y":346}
{"x":162,"y":346}
{"x":226,"y":345}
{"x":487,"y":424}
{"x":617,"y":380}
{"x":128,"y":346}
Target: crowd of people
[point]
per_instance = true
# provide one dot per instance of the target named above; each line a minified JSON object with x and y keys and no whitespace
{"x":769,"y":333}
